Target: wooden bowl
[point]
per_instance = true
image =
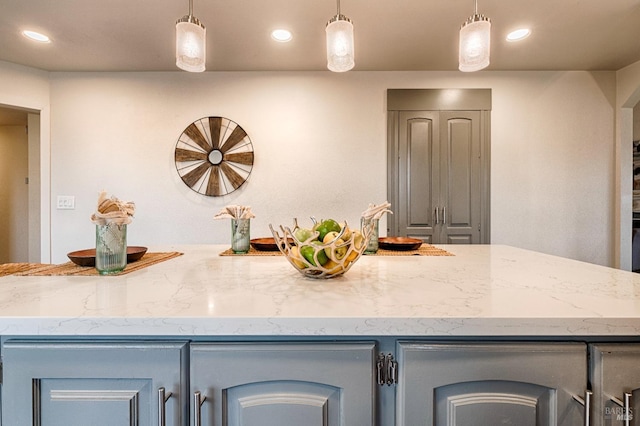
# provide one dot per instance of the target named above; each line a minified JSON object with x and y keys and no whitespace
{"x":399,"y":243}
{"x":135,"y":253}
{"x":87,"y":257}
{"x":265,"y":244}
{"x":83,"y":257}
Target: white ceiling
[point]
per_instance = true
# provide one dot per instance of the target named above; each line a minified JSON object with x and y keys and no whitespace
{"x":391,"y":35}
{"x":138,"y":35}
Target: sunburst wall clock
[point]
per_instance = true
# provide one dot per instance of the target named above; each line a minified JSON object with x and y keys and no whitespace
{"x":214,"y":156}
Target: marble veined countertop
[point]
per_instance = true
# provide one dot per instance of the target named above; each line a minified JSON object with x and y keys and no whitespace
{"x":484,"y":290}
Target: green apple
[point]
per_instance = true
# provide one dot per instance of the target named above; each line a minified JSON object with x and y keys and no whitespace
{"x":295,"y":257}
{"x":327,"y":226}
{"x":302,"y":234}
{"x":308,"y":251}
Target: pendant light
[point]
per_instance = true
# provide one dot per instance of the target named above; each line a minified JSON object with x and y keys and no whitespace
{"x":190,"y":43}
{"x":475,"y":43}
{"x":340,"y":51}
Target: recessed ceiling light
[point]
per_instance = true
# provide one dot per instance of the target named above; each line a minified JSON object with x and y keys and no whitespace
{"x":519,"y":34}
{"x":281,"y":35}
{"x":36,"y":36}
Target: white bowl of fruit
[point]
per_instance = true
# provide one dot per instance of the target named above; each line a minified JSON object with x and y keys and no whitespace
{"x":325,"y":250}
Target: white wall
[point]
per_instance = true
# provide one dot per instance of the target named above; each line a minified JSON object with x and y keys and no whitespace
{"x":320,"y":142}
{"x":14,"y":195}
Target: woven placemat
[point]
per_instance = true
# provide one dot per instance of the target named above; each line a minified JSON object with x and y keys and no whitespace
{"x":71,"y":268}
{"x":14,"y":268}
{"x":424,"y":250}
{"x":252,"y":252}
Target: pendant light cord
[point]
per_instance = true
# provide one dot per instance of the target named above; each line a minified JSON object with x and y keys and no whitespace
{"x":191,"y":7}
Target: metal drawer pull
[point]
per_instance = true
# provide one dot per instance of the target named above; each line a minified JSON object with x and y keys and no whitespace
{"x":198,"y":400}
{"x":444,"y":215}
{"x":587,"y":405}
{"x":163,"y":397}
{"x":437,"y":211}
{"x":626,"y":407}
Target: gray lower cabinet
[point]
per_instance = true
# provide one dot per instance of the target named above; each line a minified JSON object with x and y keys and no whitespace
{"x":139,"y":383}
{"x":54,"y":383}
{"x":254,"y":384}
{"x":488,"y":384}
{"x":615,"y":371}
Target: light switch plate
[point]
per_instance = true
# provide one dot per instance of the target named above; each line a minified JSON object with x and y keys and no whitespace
{"x":66,"y":202}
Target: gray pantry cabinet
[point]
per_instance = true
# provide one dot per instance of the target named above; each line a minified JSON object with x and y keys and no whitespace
{"x":438,"y":153}
{"x":324,"y":382}
{"x":439,"y":176}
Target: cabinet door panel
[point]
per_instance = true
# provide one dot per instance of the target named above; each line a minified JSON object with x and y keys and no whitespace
{"x":494,"y":402}
{"x":275,"y":384}
{"x":95,"y":402}
{"x":84,"y":383}
{"x":418,"y":146}
{"x":283,"y":402}
{"x":614,"y":370}
{"x":490,"y":384}
{"x":460,"y":183}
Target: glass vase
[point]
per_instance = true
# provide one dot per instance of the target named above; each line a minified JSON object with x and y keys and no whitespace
{"x":372,"y":242}
{"x":240,"y":235}
{"x":111,"y":248}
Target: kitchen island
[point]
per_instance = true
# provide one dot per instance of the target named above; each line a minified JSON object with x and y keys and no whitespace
{"x":483,"y":290}
{"x":426,"y":325}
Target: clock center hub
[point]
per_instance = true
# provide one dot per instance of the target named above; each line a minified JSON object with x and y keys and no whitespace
{"x":215,"y":157}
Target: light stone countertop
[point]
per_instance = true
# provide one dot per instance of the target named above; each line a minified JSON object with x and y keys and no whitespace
{"x":484,"y":290}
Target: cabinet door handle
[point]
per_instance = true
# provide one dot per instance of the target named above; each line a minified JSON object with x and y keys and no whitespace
{"x":444,"y":215}
{"x":587,"y":405}
{"x":626,"y":407}
{"x":437,"y":211}
{"x":163,"y":397}
{"x":198,"y":400}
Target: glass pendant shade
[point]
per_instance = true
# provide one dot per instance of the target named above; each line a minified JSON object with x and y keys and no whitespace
{"x":190,"y":44}
{"x":340,"y":49}
{"x":475,"y":44}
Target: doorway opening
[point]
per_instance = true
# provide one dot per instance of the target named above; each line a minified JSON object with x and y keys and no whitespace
{"x":20,"y":194}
